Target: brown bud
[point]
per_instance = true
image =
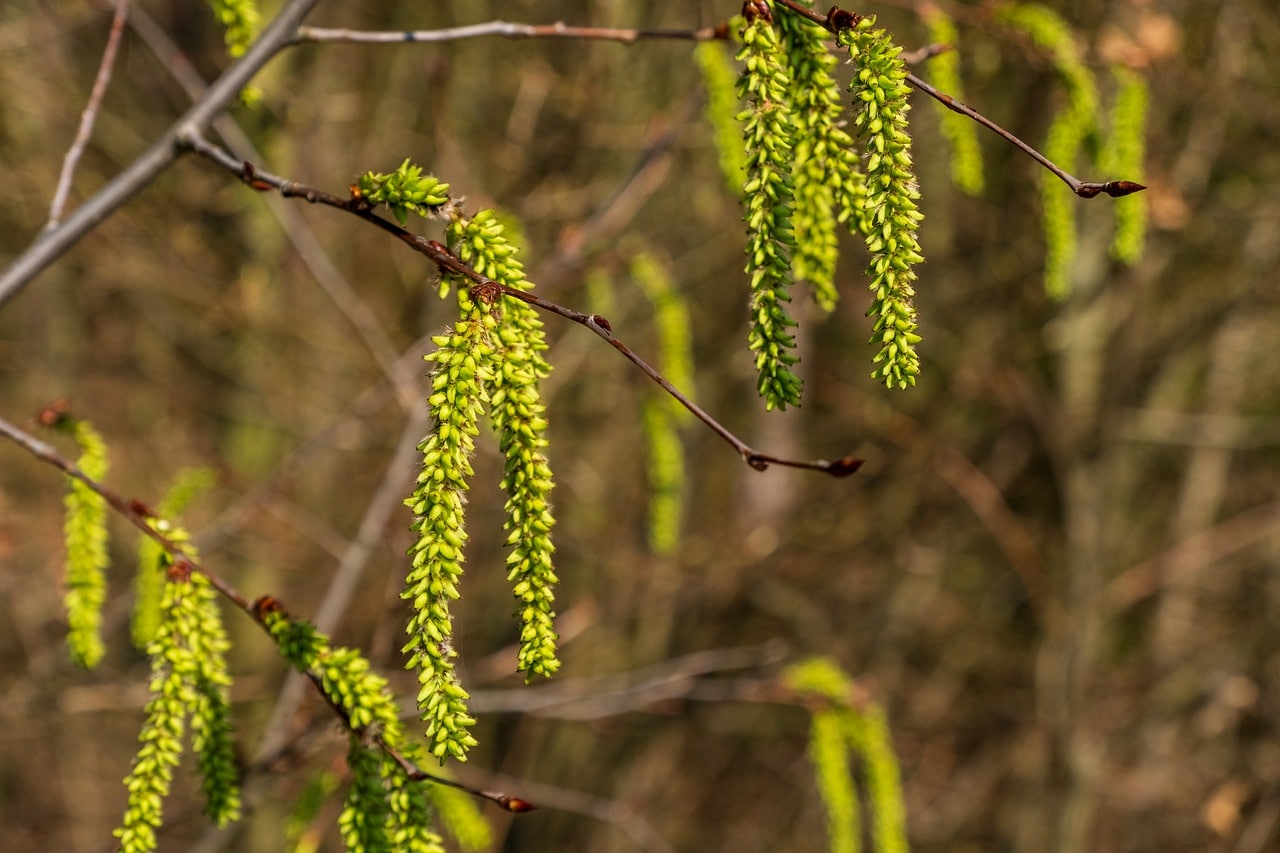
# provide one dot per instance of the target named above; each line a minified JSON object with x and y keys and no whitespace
{"x":180,"y":570}
{"x":838,"y":19}
{"x":265,"y":606}
{"x":517,"y":805}
{"x":54,"y":413}
{"x":844,"y":467}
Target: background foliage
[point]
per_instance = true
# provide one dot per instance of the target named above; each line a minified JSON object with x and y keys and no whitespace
{"x":1057,"y":569}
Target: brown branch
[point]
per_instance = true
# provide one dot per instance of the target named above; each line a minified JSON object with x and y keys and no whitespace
{"x":449,"y":263}
{"x":140,"y":516}
{"x":506,"y":29}
{"x":89,"y":116}
{"x":1084,"y":189}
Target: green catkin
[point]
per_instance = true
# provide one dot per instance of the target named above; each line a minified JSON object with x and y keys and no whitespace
{"x":769,"y":136}
{"x":239,"y":19}
{"x":148,"y":584}
{"x":211,"y":729}
{"x":517,"y":414}
{"x":868,"y":735}
{"x":880,"y":102}
{"x":959,"y":131}
{"x":1068,"y":131}
{"x":85,"y":533}
{"x":662,"y":414}
{"x":404,"y":191}
{"x":1126,"y":150}
{"x":385,"y":810}
{"x":827,"y":174}
{"x":862,"y":729}
{"x":461,"y":360}
{"x":830,"y":758}
{"x":188,"y":679}
{"x":363,"y":819}
{"x":722,"y":111}
{"x":409,"y":809}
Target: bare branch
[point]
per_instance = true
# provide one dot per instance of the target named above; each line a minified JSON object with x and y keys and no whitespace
{"x":52,"y":244}
{"x":448,"y":262}
{"x":506,"y":29}
{"x":259,"y":609}
{"x":89,"y":116}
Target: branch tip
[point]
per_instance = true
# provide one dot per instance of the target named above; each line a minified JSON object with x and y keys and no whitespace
{"x":1115,"y":189}
{"x":844,"y":467}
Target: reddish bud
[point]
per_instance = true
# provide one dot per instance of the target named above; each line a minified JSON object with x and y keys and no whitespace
{"x":54,"y":413}
{"x":140,"y":509}
{"x":753,"y":9}
{"x":844,"y":467}
{"x":265,"y":606}
{"x":602,"y":321}
{"x":517,"y":805}
{"x":180,"y":570}
{"x":838,"y":19}
{"x":1116,"y":189}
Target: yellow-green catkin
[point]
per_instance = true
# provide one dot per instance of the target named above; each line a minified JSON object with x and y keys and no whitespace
{"x":880,"y":104}
{"x":829,"y":754}
{"x":1125,"y":153}
{"x":662,"y":414}
{"x":1071,"y":127}
{"x":85,"y":531}
{"x":959,"y":131}
{"x":868,"y":734}
{"x":719,"y":78}
{"x":768,"y":135}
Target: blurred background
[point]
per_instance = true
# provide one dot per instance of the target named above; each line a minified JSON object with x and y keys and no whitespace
{"x":1057,"y":570}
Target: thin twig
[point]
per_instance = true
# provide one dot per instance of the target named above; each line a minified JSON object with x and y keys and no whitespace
{"x":596,"y":697}
{"x":137,"y":514}
{"x":89,"y":116}
{"x":559,"y":29}
{"x":342,"y":584}
{"x":838,"y":19}
{"x":446,"y":261}
{"x":1084,"y":189}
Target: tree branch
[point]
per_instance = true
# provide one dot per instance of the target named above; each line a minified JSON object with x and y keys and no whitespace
{"x":559,"y":29}
{"x":486,"y":288}
{"x":52,"y":244}
{"x":89,"y":116}
{"x":137,"y":514}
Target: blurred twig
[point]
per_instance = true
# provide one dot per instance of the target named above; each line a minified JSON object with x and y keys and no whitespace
{"x":89,"y":116}
{"x":51,"y":244}
{"x":507,"y":29}
{"x":610,"y":695}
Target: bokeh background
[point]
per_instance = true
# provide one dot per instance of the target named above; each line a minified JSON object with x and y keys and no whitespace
{"x":1057,"y":570}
